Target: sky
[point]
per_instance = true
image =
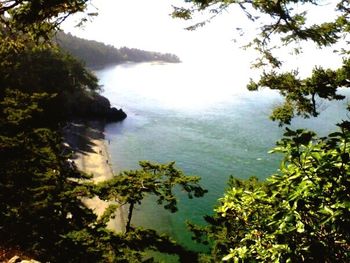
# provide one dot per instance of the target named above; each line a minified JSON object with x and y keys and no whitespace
{"x":147,"y":24}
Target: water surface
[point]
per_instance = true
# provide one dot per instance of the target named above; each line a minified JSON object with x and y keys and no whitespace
{"x":205,"y":120}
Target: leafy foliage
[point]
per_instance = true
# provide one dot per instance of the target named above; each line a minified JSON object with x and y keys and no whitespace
{"x":54,"y":72}
{"x":36,"y":19}
{"x":302,"y":95}
{"x":131,"y":187}
{"x":286,"y":20}
{"x":300,"y":214}
{"x":74,"y":88}
{"x":41,"y":193}
{"x":42,"y":212}
{"x":39,"y":201}
{"x":284,"y":23}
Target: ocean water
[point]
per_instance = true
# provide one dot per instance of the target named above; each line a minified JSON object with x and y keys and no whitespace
{"x":202,"y":118}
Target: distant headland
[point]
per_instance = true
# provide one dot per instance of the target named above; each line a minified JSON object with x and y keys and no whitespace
{"x":97,"y":54}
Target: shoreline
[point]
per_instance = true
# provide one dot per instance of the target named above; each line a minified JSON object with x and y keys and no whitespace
{"x":91,"y":156}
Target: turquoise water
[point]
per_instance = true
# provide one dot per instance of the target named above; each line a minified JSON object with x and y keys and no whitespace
{"x":206,"y":122}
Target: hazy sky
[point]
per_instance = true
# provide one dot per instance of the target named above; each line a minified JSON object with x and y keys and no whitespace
{"x":147,"y":24}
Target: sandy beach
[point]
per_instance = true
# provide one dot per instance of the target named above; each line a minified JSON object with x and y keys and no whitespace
{"x":91,"y":156}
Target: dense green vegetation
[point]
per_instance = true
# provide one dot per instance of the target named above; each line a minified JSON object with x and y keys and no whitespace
{"x":301,"y":213}
{"x":41,"y":192}
{"x":73,"y":88}
{"x":96,"y":54}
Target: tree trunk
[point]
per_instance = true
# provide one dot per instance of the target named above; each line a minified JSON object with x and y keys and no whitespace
{"x":128,"y":224}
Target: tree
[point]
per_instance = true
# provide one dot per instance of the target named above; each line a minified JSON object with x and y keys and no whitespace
{"x":301,"y":213}
{"x":47,"y":69}
{"x":131,"y":187}
{"x":35,"y":19}
{"x":284,"y":23}
{"x":41,"y":192}
{"x":298,"y":215}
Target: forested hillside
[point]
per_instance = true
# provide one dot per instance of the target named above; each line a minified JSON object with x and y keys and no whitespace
{"x":42,"y":210}
{"x":95,"y":53}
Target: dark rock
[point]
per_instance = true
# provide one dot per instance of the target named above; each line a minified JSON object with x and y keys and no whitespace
{"x":86,"y":105}
{"x":115,"y":114}
{"x":99,"y":105}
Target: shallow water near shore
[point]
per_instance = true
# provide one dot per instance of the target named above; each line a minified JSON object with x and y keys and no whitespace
{"x":208,"y":123}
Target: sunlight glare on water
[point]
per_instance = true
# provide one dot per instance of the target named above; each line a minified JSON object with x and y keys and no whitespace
{"x":202,"y":117}
{"x":185,"y":86}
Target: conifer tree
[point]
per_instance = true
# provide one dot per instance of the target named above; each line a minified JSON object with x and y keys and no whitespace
{"x":41,"y":192}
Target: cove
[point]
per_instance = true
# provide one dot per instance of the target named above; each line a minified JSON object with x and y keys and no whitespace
{"x":206,"y":121}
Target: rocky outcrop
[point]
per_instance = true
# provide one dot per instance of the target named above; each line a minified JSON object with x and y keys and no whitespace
{"x":100,"y":107}
{"x":89,"y":106}
{"x":115,"y":114}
